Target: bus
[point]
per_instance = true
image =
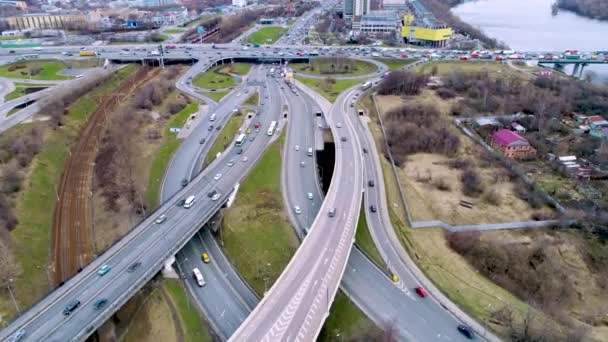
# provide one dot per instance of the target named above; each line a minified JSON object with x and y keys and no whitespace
{"x":240,"y":140}
{"x":273,"y":126}
{"x":198,"y":276}
{"x":313,"y":53}
{"x":29,"y":56}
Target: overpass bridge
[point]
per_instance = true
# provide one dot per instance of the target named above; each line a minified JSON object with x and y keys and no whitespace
{"x":579,"y":64}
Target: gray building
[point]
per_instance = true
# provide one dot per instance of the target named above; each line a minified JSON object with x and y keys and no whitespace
{"x":378,"y":22}
{"x":356,"y":8}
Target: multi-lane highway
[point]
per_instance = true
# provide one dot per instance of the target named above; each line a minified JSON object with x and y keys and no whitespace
{"x":299,"y":301}
{"x":297,"y":304}
{"x":226,"y":300}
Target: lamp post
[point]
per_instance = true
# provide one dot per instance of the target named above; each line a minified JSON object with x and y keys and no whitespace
{"x":8,"y":286}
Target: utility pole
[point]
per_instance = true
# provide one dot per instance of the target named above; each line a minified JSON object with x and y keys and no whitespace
{"x":10,"y":281}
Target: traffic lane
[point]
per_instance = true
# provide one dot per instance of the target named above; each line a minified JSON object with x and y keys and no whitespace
{"x":116,"y":282}
{"x":443,"y":323}
{"x":169,"y":221}
{"x":301,"y":129}
{"x":307,"y":286}
{"x":218,"y":301}
{"x":341,"y":242}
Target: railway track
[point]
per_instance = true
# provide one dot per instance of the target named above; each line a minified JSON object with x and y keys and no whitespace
{"x":72,"y":245}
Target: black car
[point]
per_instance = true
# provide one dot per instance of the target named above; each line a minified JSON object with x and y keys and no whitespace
{"x":202,"y":141}
{"x":364,"y":150}
{"x":100,"y":303}
{"x":239,"y":151}
{"x":343,"y":138}
{"x":466,"y":331}
{"x":73,"y":305}
{"x":184,"y":182}
{"x":133,"y":267}
{"x":181,"y":202}
{"x":210,"y":128}
{"x":372,"y":208}
{"x":211,"y":193}
{"x":370,"y":183}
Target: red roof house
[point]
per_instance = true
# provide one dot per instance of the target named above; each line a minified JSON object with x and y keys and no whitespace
{"x":511,"y":144}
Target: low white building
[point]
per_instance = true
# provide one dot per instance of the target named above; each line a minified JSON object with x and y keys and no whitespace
{"x":239,"y":3}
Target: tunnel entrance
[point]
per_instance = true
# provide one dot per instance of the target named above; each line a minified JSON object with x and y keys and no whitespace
{"x":325,"y":165}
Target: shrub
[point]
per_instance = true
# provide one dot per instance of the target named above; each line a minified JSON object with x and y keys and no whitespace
{"x":493,"y":197}
{"x":442,"y":185}
{"x":472,"y":184}
{"x":402,"y":83}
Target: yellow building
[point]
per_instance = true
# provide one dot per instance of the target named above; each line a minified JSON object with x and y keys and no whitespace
{"x":430,"y":34}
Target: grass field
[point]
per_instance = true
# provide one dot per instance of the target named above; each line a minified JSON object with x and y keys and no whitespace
{"x":151,"y":319}
{"x":257,"y":236}
{"x":219,"y":76}
{"x":450,"y":272}
{"x":194,"y":327}
{"x":174,"y":31}
{"x":394,"y":63}
{"x":216,"y":96}
{"x":165,"y":153}
{"x":447,"y":67}
{"x":363,"y":239}
{"x":329,"y":90}
{"x":49,"y":70}
{"x":22,"y":89}
{"x":32,"y":235}
{"x":266,"y":35}
{"x":226,"y":136}
{"x":347,"y":323}
{"x":253,"y":100}
{"x":318,"y":64}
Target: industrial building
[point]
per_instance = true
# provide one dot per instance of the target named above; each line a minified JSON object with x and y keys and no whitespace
{"x":420,"y":27}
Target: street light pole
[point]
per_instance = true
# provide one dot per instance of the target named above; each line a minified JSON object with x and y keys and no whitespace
{"x":10,"y":281}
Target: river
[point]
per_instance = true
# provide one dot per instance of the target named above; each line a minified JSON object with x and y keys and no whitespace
{"x":528,"y":25}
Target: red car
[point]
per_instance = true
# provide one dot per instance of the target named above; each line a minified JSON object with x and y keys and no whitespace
{"x":464,"y":58}
{"x":404,"y":55}
{"x":500,"y":58}
{"x":420,"y":291}
{"x":257,"y":124}
{"x":475,"y":55}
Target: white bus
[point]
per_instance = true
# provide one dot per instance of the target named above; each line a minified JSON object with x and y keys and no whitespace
{"x":29,"y":56}
{"x":271,"y":129}
{"x":198,"y":276}
{"x":240,"y":140}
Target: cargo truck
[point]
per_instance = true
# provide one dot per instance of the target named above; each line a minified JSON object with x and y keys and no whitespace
{"x":88,"y":53}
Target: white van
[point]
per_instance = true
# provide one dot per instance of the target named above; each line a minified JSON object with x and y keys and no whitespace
{"x":189,"y":202}
{"x":198,"y":276}
{"x":309,"y":153}
{"x":212,"y":118}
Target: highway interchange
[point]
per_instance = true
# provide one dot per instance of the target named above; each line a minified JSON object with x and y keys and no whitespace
{"x":297,"y":304}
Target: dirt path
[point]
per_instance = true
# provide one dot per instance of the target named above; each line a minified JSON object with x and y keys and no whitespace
{"x":177,"y":321}
{"x":72,"y":245}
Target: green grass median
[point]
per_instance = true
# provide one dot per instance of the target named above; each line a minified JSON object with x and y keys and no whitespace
{"x":395,"y":63}
{"x":22,"y":89}
{"x":194,"y":327}
{"x":329,"y":88}
{"x":226,"y":136}
{"x":165,"y":153}
{"x":266,"y":35}
{"x":35,"y":69}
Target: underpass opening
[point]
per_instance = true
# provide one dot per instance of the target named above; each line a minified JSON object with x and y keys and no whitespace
{"x":326,"y":159}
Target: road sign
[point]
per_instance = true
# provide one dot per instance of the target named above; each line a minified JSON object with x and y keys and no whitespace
{"x":200,"y":29}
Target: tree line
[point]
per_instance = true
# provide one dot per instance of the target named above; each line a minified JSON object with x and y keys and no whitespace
{"x":596,"y":9}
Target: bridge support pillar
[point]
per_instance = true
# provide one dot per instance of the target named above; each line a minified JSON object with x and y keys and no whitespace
{"x":582,"y":69}
{"x":575,"y":70}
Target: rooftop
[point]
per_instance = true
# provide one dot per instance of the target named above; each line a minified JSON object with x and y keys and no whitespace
{"x":505,"y":137}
